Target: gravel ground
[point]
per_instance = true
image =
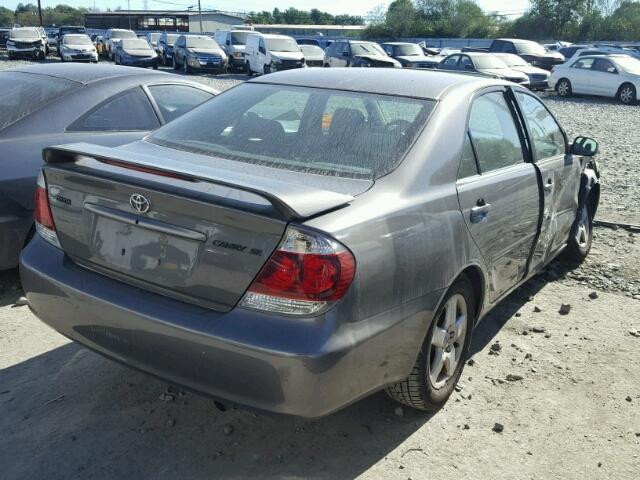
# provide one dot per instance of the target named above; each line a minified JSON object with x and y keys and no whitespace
{"x":564,"y":388}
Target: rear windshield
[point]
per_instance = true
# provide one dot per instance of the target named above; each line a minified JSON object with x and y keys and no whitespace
{"x":326,"y":132}
{"x":410,"y":50}
{"x":24,"y":93}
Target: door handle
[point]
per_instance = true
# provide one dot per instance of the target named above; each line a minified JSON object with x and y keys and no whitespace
{"x":480,"y":211}
{"x":548,"y":186}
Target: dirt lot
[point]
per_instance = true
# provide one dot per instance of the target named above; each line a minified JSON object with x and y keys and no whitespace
{"x":565,"y":388}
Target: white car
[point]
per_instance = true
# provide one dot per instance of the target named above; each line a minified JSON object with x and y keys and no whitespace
{"x":26,"y":42}
{"x":602,"y":75}
{"x":113,"y":37}
{"x":77,"y":47}
{"x":266,"y":53}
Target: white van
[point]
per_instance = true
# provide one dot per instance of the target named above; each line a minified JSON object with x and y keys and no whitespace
{"x":233,"y":42}
{"x":270,"y":53}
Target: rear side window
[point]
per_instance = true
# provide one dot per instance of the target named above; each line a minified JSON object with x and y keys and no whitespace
{"x":24,"y":93}
{"x":468,"y":166}
{"x":494,"y":133}
{"x":126,"y":111}
{"x":585,"y":63}
{"x":175,"y":100}
{"x":311,"y":130}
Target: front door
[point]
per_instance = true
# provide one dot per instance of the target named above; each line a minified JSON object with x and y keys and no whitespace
{"x":579,"y":76}
{"x":604,"y":79}
{"x":560,"y":176}
{"x":498,"y":191}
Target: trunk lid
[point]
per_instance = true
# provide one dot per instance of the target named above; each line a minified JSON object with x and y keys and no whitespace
{"x":196,"y":234}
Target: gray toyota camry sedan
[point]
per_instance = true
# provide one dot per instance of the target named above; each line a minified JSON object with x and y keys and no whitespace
{"x":312,"y":236}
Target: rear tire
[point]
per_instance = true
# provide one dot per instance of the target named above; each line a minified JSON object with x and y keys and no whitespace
{"x":175,"y":64}
{"x":564,"y":88}
{"x":581,"y":236}
{"x":443,"y":353}
{"x":627,"y":94}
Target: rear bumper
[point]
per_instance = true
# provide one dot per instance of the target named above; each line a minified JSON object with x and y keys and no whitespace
{"x":304,"y":367}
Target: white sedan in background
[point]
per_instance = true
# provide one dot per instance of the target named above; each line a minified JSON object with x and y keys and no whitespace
{"x":602,"y":75}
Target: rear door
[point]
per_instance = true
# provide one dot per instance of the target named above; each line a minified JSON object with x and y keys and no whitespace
{"x":579,"y":74}
{"x":498,"y":190}
{"x":560,"y":176}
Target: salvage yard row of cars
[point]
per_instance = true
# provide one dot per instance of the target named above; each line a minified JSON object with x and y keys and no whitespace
{"x":521,"y":61}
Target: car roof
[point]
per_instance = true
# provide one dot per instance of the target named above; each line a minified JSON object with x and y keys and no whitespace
{"x":430,"y":84}
{"x":399,"y":43}
{"x":516,"y":40}
{"x":81,"y":73}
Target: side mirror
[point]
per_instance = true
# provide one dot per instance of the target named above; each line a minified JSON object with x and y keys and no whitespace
{"x":228,"y":42}
{"x":584,"y":147}
{"x":468,"y":67}
{"x":345,"y":54}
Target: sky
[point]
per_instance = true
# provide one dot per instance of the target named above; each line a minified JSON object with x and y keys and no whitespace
{"x":354,"y":7}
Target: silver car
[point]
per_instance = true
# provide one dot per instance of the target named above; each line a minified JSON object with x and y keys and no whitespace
{"x":310,"y":236}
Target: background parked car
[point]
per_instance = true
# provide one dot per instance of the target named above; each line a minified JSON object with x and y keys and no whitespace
{"x":112,"y":37}
{"x":305,"y":267}
{"x":77,"y":48}
{"x":135,"y":52}
{"x":266,"y":53}
{"x":45,"y":105}
{"x":532,"y":52}
{"x":165,"y":47}
{"x":26,"y":42}
{"x":538,"y":77}
{"x":356,"y":53}
{"x":313,"y":55}
{"x":4,"y":36}
{"x":602,"y":75}
{"x":234,"y":43}
{"x":45,"y":39}
{"x":198,"y":52}
{"x":483,"y":64}
{"x":410,"y":55}
{"x":568,"y":52}
{"x":152,"y":38}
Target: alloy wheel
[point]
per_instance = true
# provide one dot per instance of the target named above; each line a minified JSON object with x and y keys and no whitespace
{"x":563,"y":88}
{"x":582,"y":230}
{"x":626,"y":95}
{"x":447,"y":341}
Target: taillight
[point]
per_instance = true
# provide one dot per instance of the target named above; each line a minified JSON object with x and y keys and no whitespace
{"x":42,"y":213}
{"x":306,"y":275}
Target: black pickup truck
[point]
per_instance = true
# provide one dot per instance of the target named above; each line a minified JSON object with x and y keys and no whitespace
{"x":532,"y":52}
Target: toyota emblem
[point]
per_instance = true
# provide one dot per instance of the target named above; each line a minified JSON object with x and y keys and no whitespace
{"x":139,"y":203}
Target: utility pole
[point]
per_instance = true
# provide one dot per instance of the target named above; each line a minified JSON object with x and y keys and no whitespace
{"x":200,"y":13}
{"x":40,"y":12}
{"x":129,"y":12}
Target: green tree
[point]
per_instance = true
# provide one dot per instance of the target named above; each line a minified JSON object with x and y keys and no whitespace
{"x":6,"y":17}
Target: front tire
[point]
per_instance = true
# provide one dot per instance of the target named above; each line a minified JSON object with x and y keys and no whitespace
{"x":175,"y":64}
{"x":627,"y":94}
{"x":564,"y":88}
{"x":185,"y":67}
{"x":581,"y":236}
{"x":443,"y":353}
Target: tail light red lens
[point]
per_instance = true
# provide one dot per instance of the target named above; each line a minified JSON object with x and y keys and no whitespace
{"x":42,"y":213}
{"x":305,"y":275}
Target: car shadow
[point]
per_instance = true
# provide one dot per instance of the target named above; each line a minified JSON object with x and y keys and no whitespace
{"x":10,"y":289}
{"x":71,"y":411}
{"x":486,"y":331}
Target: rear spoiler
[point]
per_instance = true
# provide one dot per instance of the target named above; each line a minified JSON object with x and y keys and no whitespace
{"x":293,"y":201}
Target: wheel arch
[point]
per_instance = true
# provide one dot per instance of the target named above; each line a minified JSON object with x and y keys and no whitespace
{"x":475,"y":275}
